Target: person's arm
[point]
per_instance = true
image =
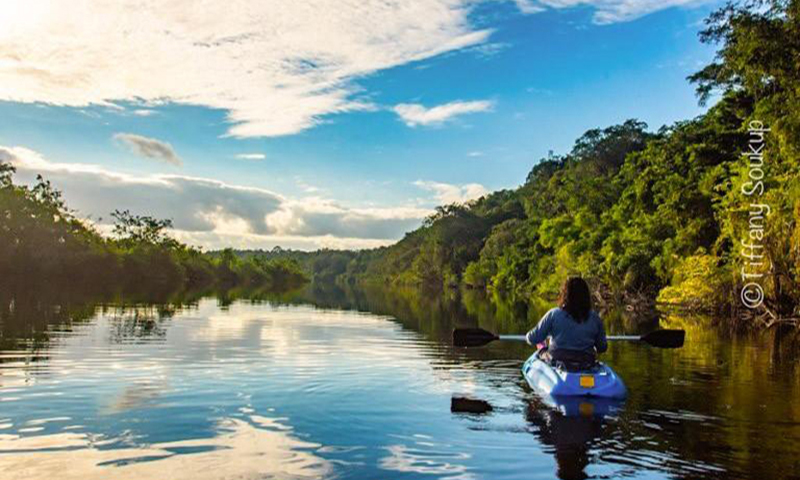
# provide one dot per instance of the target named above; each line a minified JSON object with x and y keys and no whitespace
{"x":541,"y":331}
{"x":600,"y":342}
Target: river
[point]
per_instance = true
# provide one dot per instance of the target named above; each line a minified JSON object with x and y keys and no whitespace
{"x":361,"y":385}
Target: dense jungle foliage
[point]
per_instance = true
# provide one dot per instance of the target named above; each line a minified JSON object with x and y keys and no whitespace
{"x":659,"y":214}
{"x":42,"y":242}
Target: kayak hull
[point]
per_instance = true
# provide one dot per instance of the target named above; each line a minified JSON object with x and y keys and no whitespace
{"x":581,"y":406}
{"x":598,"y":382}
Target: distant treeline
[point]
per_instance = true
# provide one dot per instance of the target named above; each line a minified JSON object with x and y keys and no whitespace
{"x":650,"y":214}
{"x":42,"y":242}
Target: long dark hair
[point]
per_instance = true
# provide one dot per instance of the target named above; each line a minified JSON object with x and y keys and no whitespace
{"x":575,"y":298}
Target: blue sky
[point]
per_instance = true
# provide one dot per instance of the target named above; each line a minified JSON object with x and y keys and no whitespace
{"x":354,"y":127}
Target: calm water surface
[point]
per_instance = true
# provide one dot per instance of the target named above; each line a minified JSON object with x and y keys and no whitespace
{"x":314,"y":388}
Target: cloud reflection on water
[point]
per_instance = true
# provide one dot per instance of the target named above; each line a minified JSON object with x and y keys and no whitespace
{"x":254,"y":447}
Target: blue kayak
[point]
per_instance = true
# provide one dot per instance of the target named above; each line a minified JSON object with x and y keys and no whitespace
{"x":600,"y":381}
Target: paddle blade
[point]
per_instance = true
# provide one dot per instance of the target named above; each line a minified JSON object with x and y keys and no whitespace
{"x":665,"y":338}
{"x":472,"y":337}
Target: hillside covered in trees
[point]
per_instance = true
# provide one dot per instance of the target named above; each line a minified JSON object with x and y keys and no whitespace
{"x":665,"y":214}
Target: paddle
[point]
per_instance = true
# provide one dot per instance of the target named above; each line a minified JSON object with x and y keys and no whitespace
{"x":657,"y":338}
{"x":478,"y":337}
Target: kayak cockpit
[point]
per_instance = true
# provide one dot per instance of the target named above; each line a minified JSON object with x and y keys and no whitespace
{"x":599,"y":380}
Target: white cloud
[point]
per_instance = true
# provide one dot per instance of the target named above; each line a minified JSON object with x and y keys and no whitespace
{"x":608,"y":11}
{"x":414,"y":114}
{"x":475,"y":153}
{"x":319,"y":217}
{"x":251,"y":156}
{"x":149,"y":148}
{"x":276,"y":67}
{"x":528,"y":7}
{"x":488,"y":50}
{"x":214,"y":214}
{"x":446,"y":193}
{"x":143,"y":112}
{"x":305,"y":187}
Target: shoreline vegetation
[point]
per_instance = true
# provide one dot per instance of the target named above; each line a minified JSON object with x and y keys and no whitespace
{"x":44,"y":245}
{"x":648,"y":217}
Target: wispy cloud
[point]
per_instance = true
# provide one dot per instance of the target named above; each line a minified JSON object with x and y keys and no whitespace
{"x":446,"y":193}
{"x":475,"y":153}
{"x":251,"y":156}
{"x":151,"y":148}
{"x":305,"y":187}
{"x":608,"y":11}
{"x":143,"y":112}
{"x":277,"y":67}
{"x":214,"y":214}
{"x":489,"y":50}
{"x":528,"y":7}
{"x":414,"y":114}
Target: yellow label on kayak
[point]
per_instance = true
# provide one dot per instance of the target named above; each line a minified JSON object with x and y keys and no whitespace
{"x":587,"y":381}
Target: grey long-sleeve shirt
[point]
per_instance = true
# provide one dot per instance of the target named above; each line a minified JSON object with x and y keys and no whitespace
{"x":565,"y":333}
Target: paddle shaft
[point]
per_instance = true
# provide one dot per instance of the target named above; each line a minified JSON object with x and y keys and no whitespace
{"x":516,"y":338}
{"x":478,"y":337}
{"x":522,"y":338}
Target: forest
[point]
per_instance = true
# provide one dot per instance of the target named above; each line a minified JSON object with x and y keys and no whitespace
{"x":662,"y":215}
{"x":44,"y":244}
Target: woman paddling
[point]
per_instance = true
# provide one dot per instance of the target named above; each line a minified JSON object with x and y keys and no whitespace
{"x":575,"y":331}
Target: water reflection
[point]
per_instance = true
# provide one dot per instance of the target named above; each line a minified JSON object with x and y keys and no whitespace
{"x":587,"y":438}
{"x":567,"y":436}
{"x":249,"y":447}
{"x":421,"y":456}
{"x":356,"y":383}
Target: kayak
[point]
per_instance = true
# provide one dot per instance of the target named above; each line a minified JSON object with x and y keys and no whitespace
{"x":599,"y":381}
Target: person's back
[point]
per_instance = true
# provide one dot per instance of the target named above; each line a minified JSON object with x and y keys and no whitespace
{"x":573,"y":326}
{"x":566,"y":333}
